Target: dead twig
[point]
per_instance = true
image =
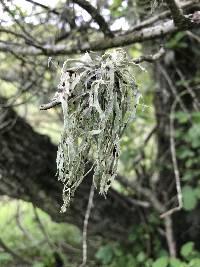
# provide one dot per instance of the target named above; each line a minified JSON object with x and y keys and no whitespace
{"x":42,"y":228}
{"x":85,"y":225}
{"x":19,"y":223}
{"x":49,"y":105}
{"x":150,"y":58}
{"x":159,"y":206}
{"x":170,"y":236}
{"x":175,"y":165}
{"x":15,"y":255}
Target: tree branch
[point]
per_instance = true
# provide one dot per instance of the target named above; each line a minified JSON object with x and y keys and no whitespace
{"x":169,"y":234}
{"x":15,"y":255}
{"x":85,"y":225}
{"x":44,"y":7}
{"x":149,"y":33}
{"x":160,"y":16}
{"x":49,"y":105}
{"x":96,"y":16}
{"x":175,"y":165}
{"x":150,"y":58}
{"x":146,"y":192}
{"x":176,"y":11}
{"x":179,"y":19}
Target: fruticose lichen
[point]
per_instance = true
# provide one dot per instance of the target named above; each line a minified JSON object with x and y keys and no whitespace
{"x":99,"y":97}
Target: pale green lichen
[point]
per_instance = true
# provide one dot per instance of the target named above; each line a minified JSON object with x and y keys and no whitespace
{"x":99,"y":97}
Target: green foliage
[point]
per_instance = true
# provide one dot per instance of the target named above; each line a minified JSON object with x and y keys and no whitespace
{"x":190,"y":254}
{"x":175,"y":262}
{"x":99,"y":97}
{"x":189,"y":198}
{"x":116,"y":8}
{"x":161,"y":262}
{"x":112,"y":255}
{"x":177,"y":41}
{"x":189,"y":153}
{"x":105,"y":254}
{"x":32,"y":246}
{"x":187,"y":249}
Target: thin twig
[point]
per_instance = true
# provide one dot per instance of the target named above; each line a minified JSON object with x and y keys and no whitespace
{"x":169,"y":234}
{"x":49,"y":105}
{"x":85,"y":225}
{"x":43,"y":230}
{"x":176,"y":11}
{"x":150,"y":58}
{"x":158,"y":17}
{"x":147,"y":58}
{"x":173,"y":88}
{"x":19,"y":223}
{"x":54,"y":11}
{"x":159,"y":206}
{"x":194,"y":36}
{"x":179,"y":19}
{"x":97,"y":17}
{"x":146,"y":192}
{"x":175,"y":165}
{"x":14,"y":254}
{"x":190,"y":91}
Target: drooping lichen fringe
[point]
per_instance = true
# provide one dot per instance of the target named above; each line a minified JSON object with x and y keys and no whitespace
{"x":99,"y":96}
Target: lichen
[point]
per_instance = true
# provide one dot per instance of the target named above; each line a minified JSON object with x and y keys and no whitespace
{"x":99,"y":97}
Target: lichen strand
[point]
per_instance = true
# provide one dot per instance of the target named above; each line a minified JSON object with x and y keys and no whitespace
{"x":99,"y":97}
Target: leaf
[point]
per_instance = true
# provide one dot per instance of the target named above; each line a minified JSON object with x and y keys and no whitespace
{"x":196,"y":117}
{"x":197,"y":192}
{"x":184,"y":152}
{"x":175,"y":41}
{"x":5,"y":257}
{"x":194,"y":136}
{"x":141,"y":257}
{"x":194,"y":262}
{"x":182,"y":117}
{"x":187,"y":249}
{"x":161,"y":262}
{"x":38,"y":264}
{"x":188,"y":175}
{"x":105,"y":254}
{"x":189,"y":198}
{"x":175,"y":262}
{"x":187,"y":153}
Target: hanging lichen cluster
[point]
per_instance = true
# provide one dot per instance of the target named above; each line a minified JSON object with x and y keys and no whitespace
{"x":99,"y":97}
